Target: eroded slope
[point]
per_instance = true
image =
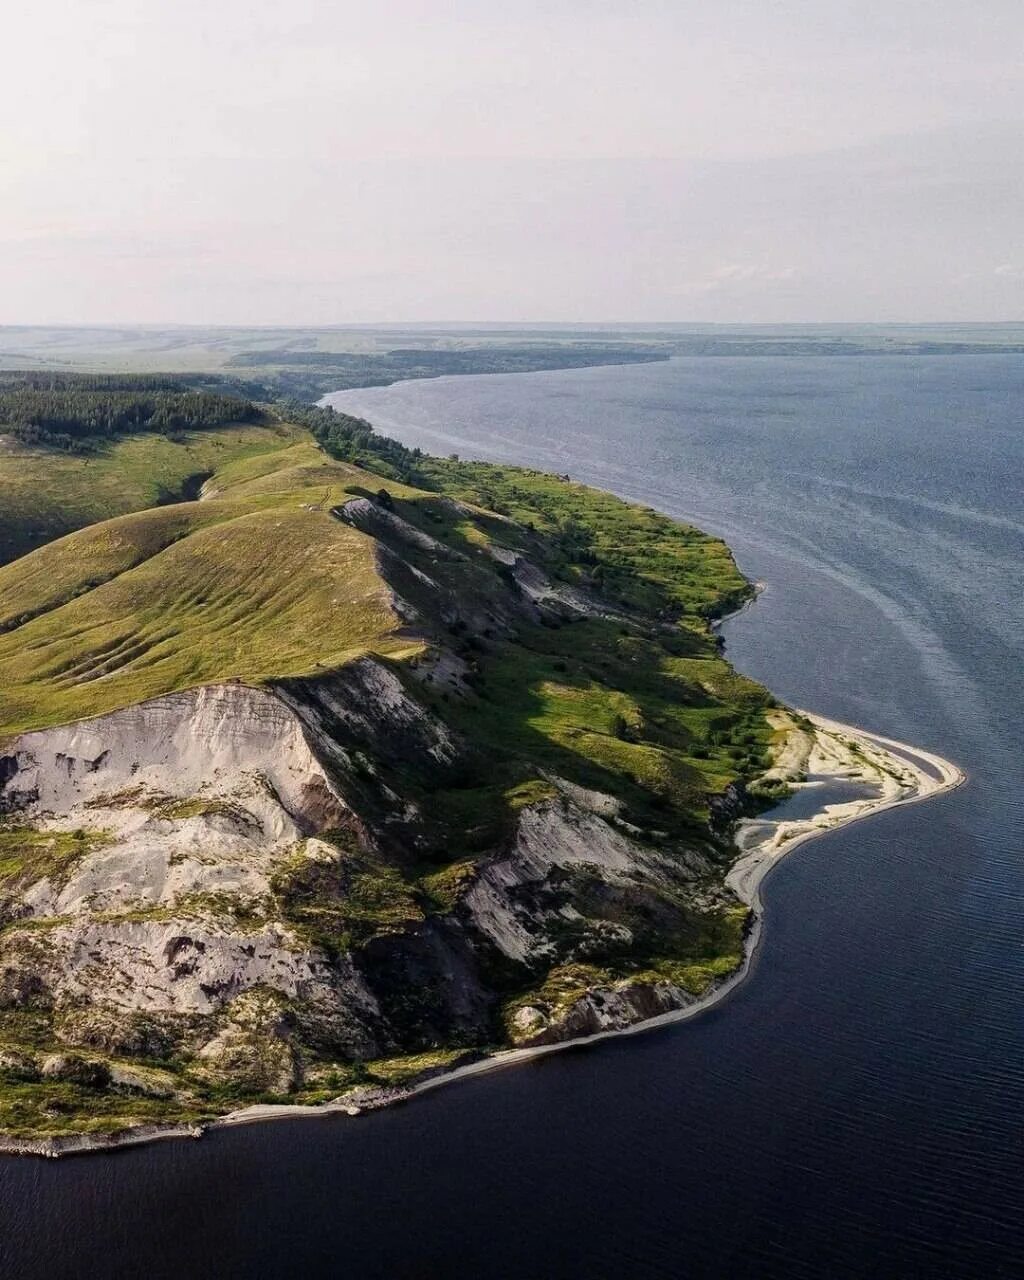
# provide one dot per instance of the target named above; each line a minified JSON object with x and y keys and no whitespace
{"x":372,"y":773}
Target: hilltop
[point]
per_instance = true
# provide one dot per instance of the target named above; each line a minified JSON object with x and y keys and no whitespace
{"x":79,"y":448}
{"x":357,"y":764}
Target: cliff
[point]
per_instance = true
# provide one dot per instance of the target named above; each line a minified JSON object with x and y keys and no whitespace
{"x":328,"y":779}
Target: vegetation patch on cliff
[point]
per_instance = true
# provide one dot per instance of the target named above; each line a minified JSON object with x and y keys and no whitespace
{"x":339,"y":897}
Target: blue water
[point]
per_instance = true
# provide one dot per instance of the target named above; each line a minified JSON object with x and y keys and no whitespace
{"x":855,"y":1109}
{"x":805,"y":802}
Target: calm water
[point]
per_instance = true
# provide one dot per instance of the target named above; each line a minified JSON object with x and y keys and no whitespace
{"x":856,"y":1108}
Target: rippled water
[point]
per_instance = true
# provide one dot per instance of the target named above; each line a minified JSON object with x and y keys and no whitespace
{"x":855,"y":1109}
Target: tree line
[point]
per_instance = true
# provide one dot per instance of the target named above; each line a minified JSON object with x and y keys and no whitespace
{"x":351,"y":439}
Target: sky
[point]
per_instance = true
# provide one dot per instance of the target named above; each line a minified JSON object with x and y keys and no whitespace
{"x":323,"y":161}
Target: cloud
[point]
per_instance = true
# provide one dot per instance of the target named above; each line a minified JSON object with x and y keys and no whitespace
{"x":730,"y":276}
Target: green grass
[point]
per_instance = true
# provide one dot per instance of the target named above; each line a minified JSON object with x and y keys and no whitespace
{"x":302,"y":466}
{"x":696,"y":977}
{"x":299,"y":464}
{"x":344,"y":902}
{"x":27,"y":855}
{"x":643,"y":706}
{"x":561,"y":988}
{"x":399,"y":1071}
{"x":45,"y":493}
{"x":261,"y":582}
{"x":636,"y":555}
{"x":235,"y":594}
{"x":72,"y":566}
{"x":621,"y":714}
{"x":710,"y":956}
{"x":51,"y":1108}
{"x":177,"y":810}
{"x":444,"y":888}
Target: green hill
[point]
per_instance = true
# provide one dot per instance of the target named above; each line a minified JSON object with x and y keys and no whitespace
{"x":78,"y":448}
{"x":263,"y":581}
{"x":386,"y":763}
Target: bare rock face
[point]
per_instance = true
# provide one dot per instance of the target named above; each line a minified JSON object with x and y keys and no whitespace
{"x":226,"y":878}
{"x":216,"y":741}
{"x":168,"y":966}
{"x":17,"y":1065}
{"x":366,"y":706}
{"x":528,"y":1021}
{"x":507,"y":902}
{"x":73,"y":1069}
{"x":108,"y":1029}
{"x":607,"y":1008}
{"x":513,"y":900}
{"x":161,"y":914}
{"x":384,"y":525}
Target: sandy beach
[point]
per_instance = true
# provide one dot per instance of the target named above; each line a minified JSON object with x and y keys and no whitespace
{"x":900,"y":773}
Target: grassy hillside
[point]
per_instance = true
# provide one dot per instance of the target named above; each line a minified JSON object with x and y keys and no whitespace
{"x":263,"y":582}
{"x":192,"y":595}
{"x":78,"y":448}
{"x":632,"y":554}
{"x":45,"y":493}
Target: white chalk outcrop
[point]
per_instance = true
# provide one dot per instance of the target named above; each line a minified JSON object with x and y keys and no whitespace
{"x":185,"y":806}
{"x":511,"y":901}
{"x":220,"y":740}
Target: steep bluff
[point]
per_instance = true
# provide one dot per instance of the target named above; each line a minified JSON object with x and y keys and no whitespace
{"x":465,"y":788}
{"x":204,"y":834}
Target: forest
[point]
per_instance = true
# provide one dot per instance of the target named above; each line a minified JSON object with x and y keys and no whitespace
{"x":351,"y":439}
{"x":77,"y":412}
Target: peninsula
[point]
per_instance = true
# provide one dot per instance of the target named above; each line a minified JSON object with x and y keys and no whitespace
{"x":330,"y":770}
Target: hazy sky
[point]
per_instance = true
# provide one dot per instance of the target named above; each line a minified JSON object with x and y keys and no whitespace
{"x":319,"y":161}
